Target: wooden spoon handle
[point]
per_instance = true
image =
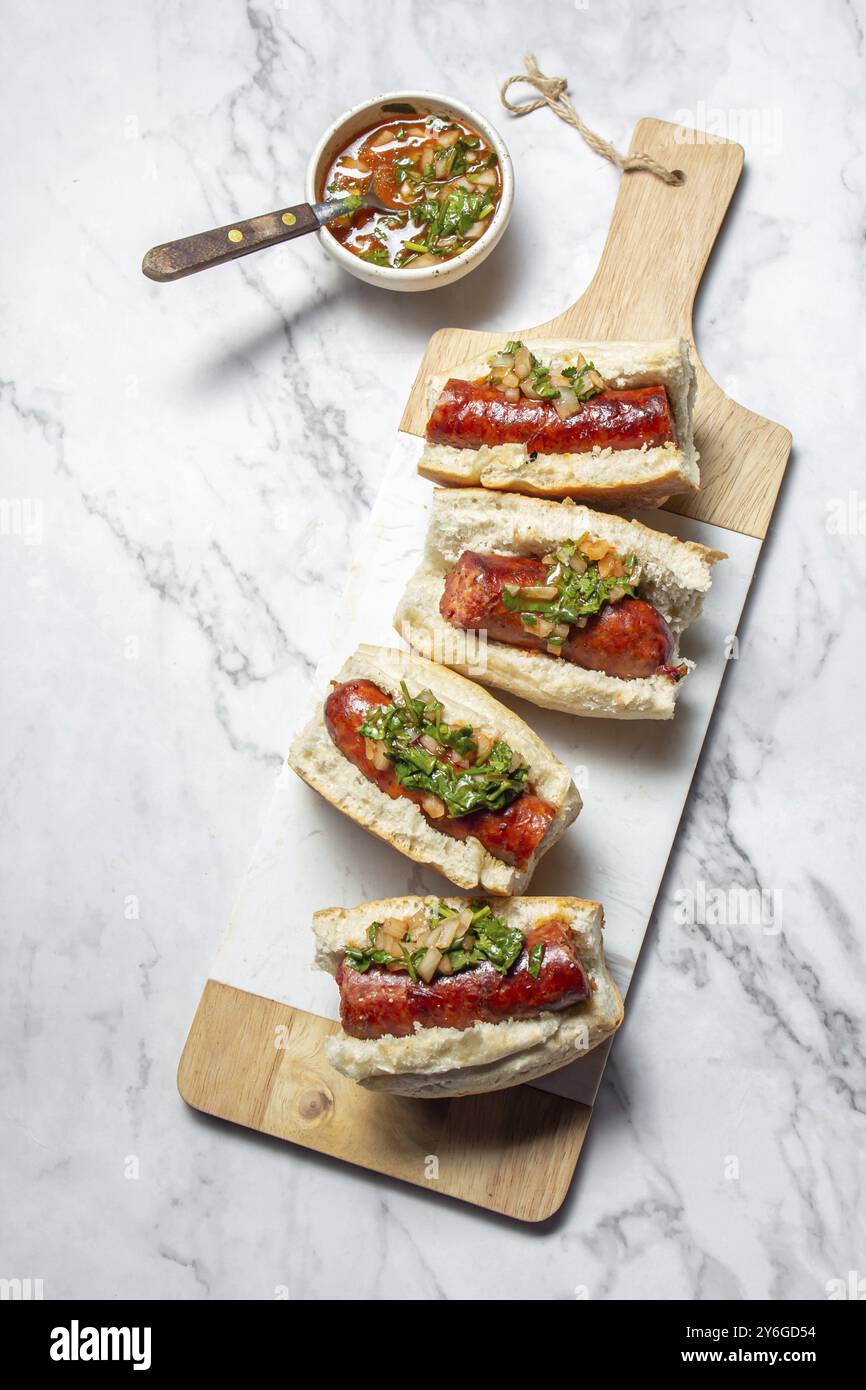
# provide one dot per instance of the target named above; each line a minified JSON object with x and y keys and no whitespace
{"x":174,"y":259}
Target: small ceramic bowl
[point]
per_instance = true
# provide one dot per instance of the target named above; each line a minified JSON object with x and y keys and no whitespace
{"x":407,"y":104}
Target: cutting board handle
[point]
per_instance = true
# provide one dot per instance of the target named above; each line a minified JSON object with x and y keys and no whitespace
{"x":660,"y":238}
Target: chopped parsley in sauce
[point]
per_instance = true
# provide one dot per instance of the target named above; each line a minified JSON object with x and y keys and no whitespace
{"x":439,"y":178}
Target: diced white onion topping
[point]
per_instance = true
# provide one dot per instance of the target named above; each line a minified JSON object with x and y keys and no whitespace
{"x":428,"y":964}
{"x":566,"y":403}
{"x":540,"y":591}
{"x":522,"y":363}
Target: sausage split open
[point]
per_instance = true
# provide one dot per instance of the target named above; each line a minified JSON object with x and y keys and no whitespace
{"x":579,"y":604}
{"x":476,"y":771}
{"x":481,"y":971}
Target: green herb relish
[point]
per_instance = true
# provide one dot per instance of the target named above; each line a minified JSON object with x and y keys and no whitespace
{"x":579,"y":595}
{"x":492,"y":940}
{"x":439,"y":178}
{"x":488,"y":784}
{"x":579,"y":377}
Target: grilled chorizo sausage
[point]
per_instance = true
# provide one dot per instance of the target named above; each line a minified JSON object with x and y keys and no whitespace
{"x":469,"y":415}
{"x":512,"y":834}
{"x":375,"y":1004}
{"x":627,"y":639}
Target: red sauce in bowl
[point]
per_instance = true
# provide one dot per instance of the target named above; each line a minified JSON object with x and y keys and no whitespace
{"x":441,"y":182}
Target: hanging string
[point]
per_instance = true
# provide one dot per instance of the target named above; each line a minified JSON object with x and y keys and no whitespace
{"x":552,"y":93}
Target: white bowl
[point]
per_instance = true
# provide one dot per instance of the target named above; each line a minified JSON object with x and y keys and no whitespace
{"x":425,"y":104}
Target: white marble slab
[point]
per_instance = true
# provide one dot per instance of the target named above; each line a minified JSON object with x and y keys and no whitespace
{"x":633,"y":776}
{"x":199,"y":457}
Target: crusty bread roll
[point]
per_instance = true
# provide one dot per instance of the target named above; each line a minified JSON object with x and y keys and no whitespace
{"x":316,"y":758}
{"x":675,"y":577}
{"x":488,"y":1056}
{"x":636,"y":477}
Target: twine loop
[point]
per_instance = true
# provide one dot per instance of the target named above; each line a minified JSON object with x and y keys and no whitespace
{"x":552,"y":93}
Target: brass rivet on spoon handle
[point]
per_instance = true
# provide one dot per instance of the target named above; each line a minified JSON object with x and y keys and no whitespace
{"x":175,"y":259}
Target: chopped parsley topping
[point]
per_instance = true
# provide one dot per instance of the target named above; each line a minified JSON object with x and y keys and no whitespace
{"x":541,"y":382}
{"x":377,"y":253}
{"x":583,"y":380}
{"x":580,"y":383}
{"x":488,"y":784}
{"x":445,"y":187}
{"x":487,"y":938}
{"x":536,"y":957}
{"x":579,"y":594}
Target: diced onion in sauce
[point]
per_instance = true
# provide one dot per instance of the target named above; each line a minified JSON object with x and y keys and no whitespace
{"x":448,"y":933}
{"x":529,"y":390}
{"x":540,"y":591}
{"x":374,"y":750}
{"x":566,"y":403}
{"x":433,"y":807}
{"x":485,"y":742}
{"x":611,"y":566}
{"x":416,"y":925}
{"x":440,"y":177}
{"x":428,"y":964}
{"x":522,"y":363}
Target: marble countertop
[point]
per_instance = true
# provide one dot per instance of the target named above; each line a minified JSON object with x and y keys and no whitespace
{"x":184,"y":469}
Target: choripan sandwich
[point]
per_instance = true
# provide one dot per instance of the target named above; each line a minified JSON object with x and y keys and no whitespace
{"x":597,"y":422}
{"x":452,"y":996}
{"x":436,"y":766}
{"x":573,"y":609}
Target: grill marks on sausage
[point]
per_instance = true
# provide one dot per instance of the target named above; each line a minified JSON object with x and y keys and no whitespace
{"x":629,"y":639}
{"x":376,"y":1003}
{"x":469,"y":415}
{"x":512,"y":835}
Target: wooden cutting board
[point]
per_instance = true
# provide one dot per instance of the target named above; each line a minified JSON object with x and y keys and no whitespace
{"x":261,"y":1063}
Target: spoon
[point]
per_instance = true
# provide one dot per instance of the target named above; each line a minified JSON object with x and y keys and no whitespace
{"x":174,"y":259}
